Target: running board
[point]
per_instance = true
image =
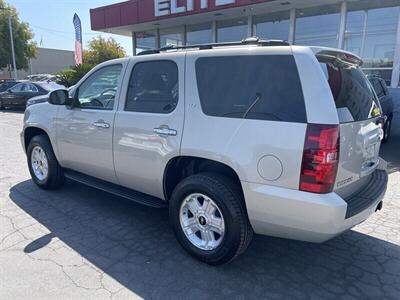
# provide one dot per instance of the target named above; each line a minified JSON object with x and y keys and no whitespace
{"x":115,"y":189}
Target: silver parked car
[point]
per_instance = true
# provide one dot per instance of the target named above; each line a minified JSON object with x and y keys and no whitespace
{"x":255,"y":136}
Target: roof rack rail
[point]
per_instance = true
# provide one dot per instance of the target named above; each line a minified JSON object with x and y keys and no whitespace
{"x":248,"y":41}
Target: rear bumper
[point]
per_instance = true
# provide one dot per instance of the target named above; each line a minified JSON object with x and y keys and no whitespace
{"x":307,"y":216}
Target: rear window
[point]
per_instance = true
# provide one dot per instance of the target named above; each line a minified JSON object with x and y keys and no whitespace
{"x":258,"y":87}
{"x":352,"y":92}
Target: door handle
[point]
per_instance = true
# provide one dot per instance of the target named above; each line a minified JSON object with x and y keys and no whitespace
{"x":165,"y":131}
{"x":101,"y":124}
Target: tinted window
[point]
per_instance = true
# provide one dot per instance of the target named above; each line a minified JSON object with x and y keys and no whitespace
{"x":30,"y":88}
{"x":254,"y":87}
{"x":352,"y":91}
{"x":6,"y":85}
{"x":384,"y":86}
{"x":377,"y":87}
{"x":99,"y":89}
{"x":153,"y":87}
{"x":18,"y":88}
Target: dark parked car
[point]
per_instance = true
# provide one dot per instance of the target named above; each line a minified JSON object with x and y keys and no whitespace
{"x":6,"y":84}
{"x":19,"y":94}
{"x":385,"y":98}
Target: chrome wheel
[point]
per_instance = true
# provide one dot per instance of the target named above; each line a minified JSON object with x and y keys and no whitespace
{"x":39,"y":163}
{"x":202,"y":221}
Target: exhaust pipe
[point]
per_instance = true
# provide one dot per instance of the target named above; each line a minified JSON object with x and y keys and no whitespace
{"x":379,"y":206}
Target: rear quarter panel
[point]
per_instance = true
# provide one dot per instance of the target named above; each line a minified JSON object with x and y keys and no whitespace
{"x":247,"y":146}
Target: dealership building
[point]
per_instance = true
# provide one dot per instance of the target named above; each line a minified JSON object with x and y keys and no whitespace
{"x":369,"y":28}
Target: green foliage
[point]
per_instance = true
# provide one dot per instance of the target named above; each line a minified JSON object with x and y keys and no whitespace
{"x":100,"y":50}
{"x":24,"y":45}
{"x":70,"y":77}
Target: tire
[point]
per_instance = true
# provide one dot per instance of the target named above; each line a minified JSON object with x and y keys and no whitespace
{"x":387,"y":130}
{"x":54,"y":178}
{"x":1,"y":105}
{"x":227,"y":197}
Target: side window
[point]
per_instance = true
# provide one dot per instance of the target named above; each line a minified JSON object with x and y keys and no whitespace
{"x":30,"y":88}
{"x":262,"y":87}
{"x":99,"y":89}
{"x":153,"y":87}
{"x":18,"y":88}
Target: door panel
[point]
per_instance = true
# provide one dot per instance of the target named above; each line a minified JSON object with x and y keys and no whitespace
{"x":85,"y":132}
{"x":149,"y":125}
{"x":84,"y":147}
{"x":14,"y":95}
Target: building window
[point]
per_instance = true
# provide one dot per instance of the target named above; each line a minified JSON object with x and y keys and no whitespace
{"x":272,"y":26}
{"x":232,"y":30}
{"x":171,"y":36}
{"x":372,"y":35}
{"x":145,"y":41}
{"x":354,"y":31}
{"x":318,"y":26}
{"x":199,"y":34}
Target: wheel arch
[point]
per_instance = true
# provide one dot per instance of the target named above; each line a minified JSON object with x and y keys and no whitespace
{"x":32,"y":131}
{"x":180,"y":167}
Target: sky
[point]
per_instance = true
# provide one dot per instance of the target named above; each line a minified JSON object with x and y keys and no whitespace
{"x":51,"y":21}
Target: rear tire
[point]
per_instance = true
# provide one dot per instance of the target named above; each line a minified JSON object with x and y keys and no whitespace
{"x":1,"y":105}
{"x":43,"y":165}
{"x":229,"y":208}
{"x":387,"y":130}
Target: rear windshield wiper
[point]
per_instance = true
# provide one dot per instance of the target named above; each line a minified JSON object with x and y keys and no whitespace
{"x":258,"y":97}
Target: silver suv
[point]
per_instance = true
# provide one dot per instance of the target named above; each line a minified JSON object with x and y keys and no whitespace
{"x":255,"y":136}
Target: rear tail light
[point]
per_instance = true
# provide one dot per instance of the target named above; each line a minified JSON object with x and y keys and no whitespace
{"x":320,"y":158}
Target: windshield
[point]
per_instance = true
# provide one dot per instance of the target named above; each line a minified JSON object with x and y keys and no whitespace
{"x":353,"y":94}
{"x":50,"y":86}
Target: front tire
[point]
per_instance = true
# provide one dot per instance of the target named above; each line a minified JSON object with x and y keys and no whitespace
{"x":43,"y":164}
{"x":209,"y":218}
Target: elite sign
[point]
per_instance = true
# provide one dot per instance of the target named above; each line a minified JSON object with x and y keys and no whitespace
{"x":168,"y":7}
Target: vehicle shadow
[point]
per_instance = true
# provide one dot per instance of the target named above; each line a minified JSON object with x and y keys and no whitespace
{"x":391,"y":150}
{"x":135,"y":245}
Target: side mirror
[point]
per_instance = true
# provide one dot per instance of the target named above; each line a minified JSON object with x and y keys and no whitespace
{"x":60,"y":97}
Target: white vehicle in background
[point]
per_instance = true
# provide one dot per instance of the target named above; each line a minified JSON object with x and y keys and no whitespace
{"x":255,"y":136}
{"x":40,"y":77}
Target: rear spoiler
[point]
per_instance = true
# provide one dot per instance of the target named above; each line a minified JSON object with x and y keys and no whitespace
{"x":337,"y":55}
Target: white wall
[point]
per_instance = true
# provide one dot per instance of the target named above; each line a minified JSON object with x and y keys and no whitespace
{"x":47,"y":61}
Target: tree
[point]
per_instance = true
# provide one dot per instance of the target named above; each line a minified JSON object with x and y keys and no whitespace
{"x":101,"y":49}
{"x":24,"y":45}
{"x":70,"y":77}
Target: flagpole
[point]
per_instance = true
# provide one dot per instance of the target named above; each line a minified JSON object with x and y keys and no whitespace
{"x":78,"y":40}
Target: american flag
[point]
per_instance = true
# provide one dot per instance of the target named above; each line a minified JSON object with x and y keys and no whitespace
{"x":78,"y":39}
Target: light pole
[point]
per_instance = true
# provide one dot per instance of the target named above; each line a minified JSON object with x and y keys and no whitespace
{"x":12,"y":44}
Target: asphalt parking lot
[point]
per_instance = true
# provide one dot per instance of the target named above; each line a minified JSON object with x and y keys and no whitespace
{"x":80,"y":243}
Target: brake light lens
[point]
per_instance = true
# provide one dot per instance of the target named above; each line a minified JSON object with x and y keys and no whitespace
{"x":320,"y":158}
